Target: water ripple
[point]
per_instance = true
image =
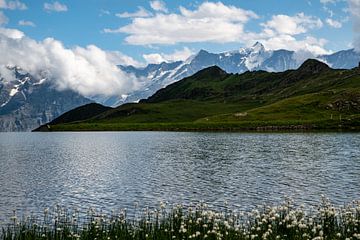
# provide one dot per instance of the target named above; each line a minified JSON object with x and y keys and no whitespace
{"x":111,"y":170}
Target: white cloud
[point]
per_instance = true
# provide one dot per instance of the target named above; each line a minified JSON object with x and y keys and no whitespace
{"x":333,"y":23}
{"x":12,"y":5}
{"x":209,"y":10}
{"x":3,"y":19}
{"x":293,"y":25}
{"x":11,"y":33}
{"x":121,"y":59}
{"x":220,"y":23}
{"x":287,"y":32}
{"x":158,"y":6}
{"x":55,"y":7}
{"x":26,"y":23}
{"x":210,"y":22}
{"x":177,"y":55}
{"x":141,"y":12}
{"x":154,"y":58}
{"x":354,"y":7}
{"x":89,"y":71}
{"x":308,"y":44}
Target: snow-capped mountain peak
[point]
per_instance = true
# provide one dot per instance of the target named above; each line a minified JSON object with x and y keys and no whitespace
{"x":251,"y":58}
{"x":257,"y":48}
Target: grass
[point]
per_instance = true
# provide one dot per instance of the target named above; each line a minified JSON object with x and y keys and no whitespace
{"x":275,"y":125}
{"x":210,"y":100}
{"x":196,"y":222}
{"x":313,"y":111}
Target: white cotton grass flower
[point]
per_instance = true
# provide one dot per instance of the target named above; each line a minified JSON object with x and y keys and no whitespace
{"x":195,"y":221}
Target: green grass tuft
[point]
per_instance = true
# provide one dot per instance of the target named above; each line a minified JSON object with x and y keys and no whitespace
{"x":197,"y":222}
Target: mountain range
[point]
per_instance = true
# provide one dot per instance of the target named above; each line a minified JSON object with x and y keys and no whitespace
{"x":312,"y":97}
{"x":27,"y":102}
{"x":239,"y":61}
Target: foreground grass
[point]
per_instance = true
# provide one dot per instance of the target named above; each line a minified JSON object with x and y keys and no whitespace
{"x":197,"y":222}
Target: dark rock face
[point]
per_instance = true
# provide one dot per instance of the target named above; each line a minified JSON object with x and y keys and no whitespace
{"x":26,"y":102}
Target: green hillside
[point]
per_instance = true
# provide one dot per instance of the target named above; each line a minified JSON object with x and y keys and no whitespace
{"x":313,"y":97}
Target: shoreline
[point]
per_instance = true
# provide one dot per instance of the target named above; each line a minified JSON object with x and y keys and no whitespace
{"x":267,"y":127}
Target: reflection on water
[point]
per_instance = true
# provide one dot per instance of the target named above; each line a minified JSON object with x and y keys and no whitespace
{"x":112,"y":170}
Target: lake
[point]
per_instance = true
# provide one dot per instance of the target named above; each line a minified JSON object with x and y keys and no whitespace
{"x":112,"y":170}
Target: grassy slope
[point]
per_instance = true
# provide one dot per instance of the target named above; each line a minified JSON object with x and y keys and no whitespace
{"x":213,"y":100}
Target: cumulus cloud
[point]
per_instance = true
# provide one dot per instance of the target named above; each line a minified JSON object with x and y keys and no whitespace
{"x":288,"y":32}
{"x":220,"y":23}
{"x":141,"y":12}
{"x":26,"y":23}
{"x":210,"y":22}
{"x":177,"y":55}
{"x":354,"y":7}
{"x":308,"y":44}
{"x":12,"y":5}
{"x":333,"y":23}
{"x":11,"y":33}
{"x":89,"y":71}
{"x":292,"y":25}
{"x":3,"y":19}
{"x":158,"y":6}
{"x":122,"y":59}
{"x":55,"y":7}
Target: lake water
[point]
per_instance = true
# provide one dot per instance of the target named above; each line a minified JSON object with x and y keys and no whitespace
{"x":111,"y":170}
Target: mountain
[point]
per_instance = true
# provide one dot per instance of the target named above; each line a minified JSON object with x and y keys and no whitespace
{"x":345,"y":59}
{"x":27,"y":102}
{"x":77,"y":114}
{"x":254,"y":58}
{"x":314,"y":96}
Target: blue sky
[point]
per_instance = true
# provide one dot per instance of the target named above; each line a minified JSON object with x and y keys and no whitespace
{"x":76,"y":44}
{"x":160,"y":31}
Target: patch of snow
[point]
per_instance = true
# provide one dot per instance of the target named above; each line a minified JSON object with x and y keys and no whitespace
{"x":174,"y":72}
{"x":40,"y":82}
{"x":124,"y":97}
{"x":151,"y":75}
{"x":180,"y":74}
{"x":13,"y":91}
{"x":2,"y":105}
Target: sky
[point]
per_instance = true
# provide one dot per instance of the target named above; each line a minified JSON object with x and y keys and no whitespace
{"x":51,"y":37}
